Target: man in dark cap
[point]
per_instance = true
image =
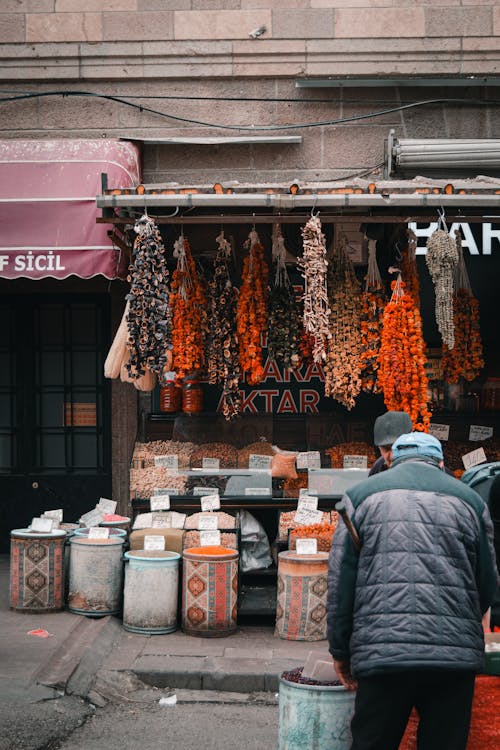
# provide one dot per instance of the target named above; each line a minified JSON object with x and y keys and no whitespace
{"x":405,"y":607}
{"x":387,"y":428}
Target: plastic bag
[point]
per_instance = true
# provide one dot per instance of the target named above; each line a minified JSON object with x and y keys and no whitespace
{"x":255,"y":548}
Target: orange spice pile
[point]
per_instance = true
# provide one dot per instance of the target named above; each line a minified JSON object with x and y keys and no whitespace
{"x":401,"y":374}
{"x":252,"y":310}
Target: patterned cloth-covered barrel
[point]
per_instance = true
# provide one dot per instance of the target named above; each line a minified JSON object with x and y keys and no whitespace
{"x":37,"y":570}
{"x":209,"y":591}
{"x":301,"y":605}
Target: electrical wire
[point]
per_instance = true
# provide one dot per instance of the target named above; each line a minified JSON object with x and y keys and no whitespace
{"x":252,"y":128}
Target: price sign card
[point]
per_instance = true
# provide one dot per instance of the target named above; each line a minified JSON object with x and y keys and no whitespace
{"x":309,"y":460}
{"x":92,"y":518}
{"x":143,"y":521}
{"x":166,"y":491}
{"x":154,"y":541}
{"x":256,"y":461}
{"x":255,"y":491}
{"x":208,"y":522}
{"x":96,"y":532}
{"x":105,"y":505}
{"x":205,"y":490}
{"x":161,"y":521}
{"x":304,"y":491}
{"x":170,"y":461}
{"x":159,"y":502}
{"x":56,"y":515}
{"x":177,"y":520}
{"x":209,"y":538}
{"x":306,"y":546}
{"x":308,"y":502}
{"x":210,"y":463}
{"x":308,"y":517}
{"x":440,"y":431}
{"x":43,"y":525}
{"x":355,"y":462}
{"x":479,"y":432}
{"x":474,"y":458}
{"x":210,"y":502}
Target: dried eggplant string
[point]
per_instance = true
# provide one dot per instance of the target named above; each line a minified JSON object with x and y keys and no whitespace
{"x":314,"y":268}
{"x":442,"y":259}
{"x":148,"y":318}
{"x":188,"y":302}
{"x":409,"y":271}
{"x":343,"y":363}
{"x":285,"y":323}
{"x":252,"y":310}
{"x":465,"y":360}
{"x":373,"y":301}
{"x":222,"y":351}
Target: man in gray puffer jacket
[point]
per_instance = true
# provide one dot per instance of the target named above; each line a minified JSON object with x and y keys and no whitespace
{"x":404,"y":613}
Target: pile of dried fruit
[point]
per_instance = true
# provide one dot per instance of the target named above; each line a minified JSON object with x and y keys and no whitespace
{"x":343,"y":363}
{"x":222,"y":351}
{"x":322,"y":532}
{"x":295,"y":675}
{"x":287,"y":522}
{"x":401,"y":374}
{"x":252,"y":310}
{"x":465,"y":360}
{"x":188,"y":302}
{"x":314,"y":266}
{"x":442,"y":259}
{"x":337,"y":453}
{"x":373,"y":301}
{"x":148,"y":318}
{"x":258,"y":448}
{"x":226,"y":453}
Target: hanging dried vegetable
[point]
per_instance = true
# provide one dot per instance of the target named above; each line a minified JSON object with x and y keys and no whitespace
{"x":465,"y":360}
{"x":252,"y":310}
{"x":314,"y":266}
{"x":373,"y":302}
{"x":285,"y":324}
{"x":442,"y":259}
{"x":343,"y":363}
{"x":148,"y":321}
{"x":409,"y":271}
{"x":401,"y":373}
{"x":222,"y":351}
{"x":188,"y":302}
{"x":118,"y":349}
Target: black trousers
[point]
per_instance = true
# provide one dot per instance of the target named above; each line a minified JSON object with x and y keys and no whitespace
{"x":443,"y":699}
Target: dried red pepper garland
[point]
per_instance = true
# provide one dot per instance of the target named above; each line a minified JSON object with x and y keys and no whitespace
{"x":252,"y":310}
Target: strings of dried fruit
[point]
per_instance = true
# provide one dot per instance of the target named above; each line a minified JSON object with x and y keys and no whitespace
{"x":252,"y":310}
{"x":222,"y":351}
{"x":465,"y":360}
{"x":285,"y":322}
{"x":314,"y":266}
{"x":409,"y":271}
{"x":188,"y":302}
{"x":343,"y":363}
{"x":401,"y":373}
{"x":442,"y":259}
{"x":148,"y":320}
{"x":373,"y":301}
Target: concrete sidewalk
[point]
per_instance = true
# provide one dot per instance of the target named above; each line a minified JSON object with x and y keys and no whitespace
{"x":83,"y":652}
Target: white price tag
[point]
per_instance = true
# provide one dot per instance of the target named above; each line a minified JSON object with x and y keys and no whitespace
{"x":209,"y":538}
{"x":43,"y":525}
{"x":440,"y":431}
{"x":106,"y":506}
{"x":170,"y":461}
{"x":166,"y":491}
{"x":474,"y":458}
{"x":255,"y":491}
{"x":210,"y":502}
{"x":154,"y":541}
{"x":309,"y":460}
{"x":97,"y":532}
{"x":308,"y":517}
{"x":304,"y":491}
{"x":161,"y":521}
{"x":177,"y":520}
{"x":204,"y":490}
{"x":355,"y":462}
{"x":210,"y":463}
{"x":143,"y":521}
{"x":256,"y":461}
{"x":479,"y":432}
{"x":306,"y":546}
{"x":92,"y":518}
{"x":208,"y":522}
{"x":159,"y":502}
{"x":307,"y":502}
{"x":56,"y":515}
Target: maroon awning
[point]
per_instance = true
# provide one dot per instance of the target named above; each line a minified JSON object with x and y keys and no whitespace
{"x":48,"y":206}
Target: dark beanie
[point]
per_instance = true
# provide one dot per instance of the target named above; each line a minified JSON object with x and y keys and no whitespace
{"x":389,"y":426}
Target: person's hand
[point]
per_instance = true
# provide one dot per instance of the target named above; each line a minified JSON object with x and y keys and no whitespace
{"x":343,"y":669}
